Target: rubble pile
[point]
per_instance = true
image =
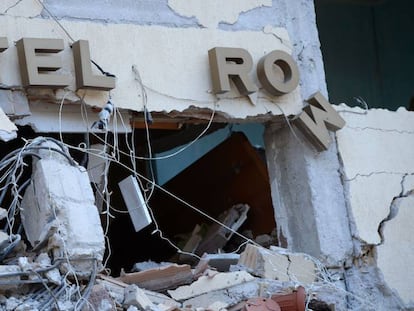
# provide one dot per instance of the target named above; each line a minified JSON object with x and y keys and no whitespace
{"x":52,"y":247}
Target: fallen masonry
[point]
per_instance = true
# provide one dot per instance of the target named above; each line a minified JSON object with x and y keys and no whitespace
{"x":52,"y":250}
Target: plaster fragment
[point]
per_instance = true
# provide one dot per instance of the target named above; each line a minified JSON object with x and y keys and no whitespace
{"x":7,"y":128}
{"x":206,"y":284}
{"x":210,"y":13}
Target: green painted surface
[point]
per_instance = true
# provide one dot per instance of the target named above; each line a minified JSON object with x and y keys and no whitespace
{"x":368,"y":51}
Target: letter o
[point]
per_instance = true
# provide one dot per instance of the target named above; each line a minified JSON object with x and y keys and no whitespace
{"x":278,"y":73}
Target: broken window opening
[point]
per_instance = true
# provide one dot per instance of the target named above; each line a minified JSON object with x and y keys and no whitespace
{"x":231,"y":174}
{"x":227,"y":180}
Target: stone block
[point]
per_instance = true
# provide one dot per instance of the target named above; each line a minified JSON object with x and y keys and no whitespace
{"x":58,"y":206}
{"x":265,"y":263}
{"x":207,"y":284}
{"x":278,"y":264}
{"x":135,"y":296}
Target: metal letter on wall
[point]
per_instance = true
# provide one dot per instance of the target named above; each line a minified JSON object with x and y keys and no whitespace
{"x":35,"y":66}
{"x":316,"y":119}
{"x":278,"y":73}
{"x":231,"y":63}
{"x":3,"y":44}
{"x":85,"y":79}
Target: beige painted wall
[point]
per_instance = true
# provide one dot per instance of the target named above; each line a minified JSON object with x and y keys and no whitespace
{"x":377,"y":151}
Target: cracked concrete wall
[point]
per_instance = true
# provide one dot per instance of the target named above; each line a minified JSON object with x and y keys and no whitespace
{"x":298,"y":17}
{"x":308,"y":197}
{"x":155,"y":37}
{"x":376,"y":149}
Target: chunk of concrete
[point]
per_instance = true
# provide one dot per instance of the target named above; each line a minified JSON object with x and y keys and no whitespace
{"x":8,"y":130}
{"x":265,"y":263}
{"x":14,"y":103}
{"x":9,"y":282}
{"x":52,"y":275}
{"x":238,"y":293}
{"x":278,"y":264}
{"x":162,"y":278}
{"x":301,"y":268}
{"x":206,"y":284}
{"x":58,"y":207}
{"x":135,"y":296}
{"x":99,"y":299}
{"x":230,"y":295}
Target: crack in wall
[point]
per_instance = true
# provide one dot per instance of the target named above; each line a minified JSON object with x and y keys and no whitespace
{"x":12,"y":6}
{"x":380,"y":130}
{"x":11,"y":87}
{"x":393,"y":209}
{"x":374,"y":173}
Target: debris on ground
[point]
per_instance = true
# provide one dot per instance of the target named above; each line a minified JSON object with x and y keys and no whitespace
{"x":52,"y":250}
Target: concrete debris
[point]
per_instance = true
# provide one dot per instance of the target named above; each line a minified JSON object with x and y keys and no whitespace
{"x":277,"y":263}
{"x":12,"y":281}
{"x":135,"y":296}
{"x":100,"y":300}
{"x":54,"y":260}
{"x":159,"y":279}
{"x":217,"y":236}
{"x":7,"y":128}
{"x":3,"y":213}
{"x":206,"y":284}
{"x":62,"y":213}
{"x":220,"y":262}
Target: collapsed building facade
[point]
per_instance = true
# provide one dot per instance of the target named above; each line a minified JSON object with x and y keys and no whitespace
{"x":171,"y":155}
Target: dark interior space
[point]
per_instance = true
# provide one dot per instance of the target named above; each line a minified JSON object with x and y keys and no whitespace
{"x":232,"y":173}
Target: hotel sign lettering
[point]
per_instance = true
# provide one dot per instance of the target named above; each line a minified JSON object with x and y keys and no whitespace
{"x":279,"y":74}
{"x":38,"y":62}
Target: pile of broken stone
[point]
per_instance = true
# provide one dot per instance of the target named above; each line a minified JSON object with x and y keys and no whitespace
{"x":259,"y":279}
{"x":52,"y":258}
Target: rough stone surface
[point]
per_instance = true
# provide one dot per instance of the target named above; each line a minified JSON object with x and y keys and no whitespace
{"x":205,"y":284}
{"x":7,"y":128}
{"x":59,"y":203}
{"x":368,"y":291}
{"x":265,"y":263}
{"x":230,"y":296}
{"x":9,"y":269}
{"x":278,"y":264}
{"x":311,"y":217}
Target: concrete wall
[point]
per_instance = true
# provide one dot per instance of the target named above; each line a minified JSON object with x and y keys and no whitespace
{"x":351,"y":229}
{"x":167,"y":55}
{"x":377,"y":151}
